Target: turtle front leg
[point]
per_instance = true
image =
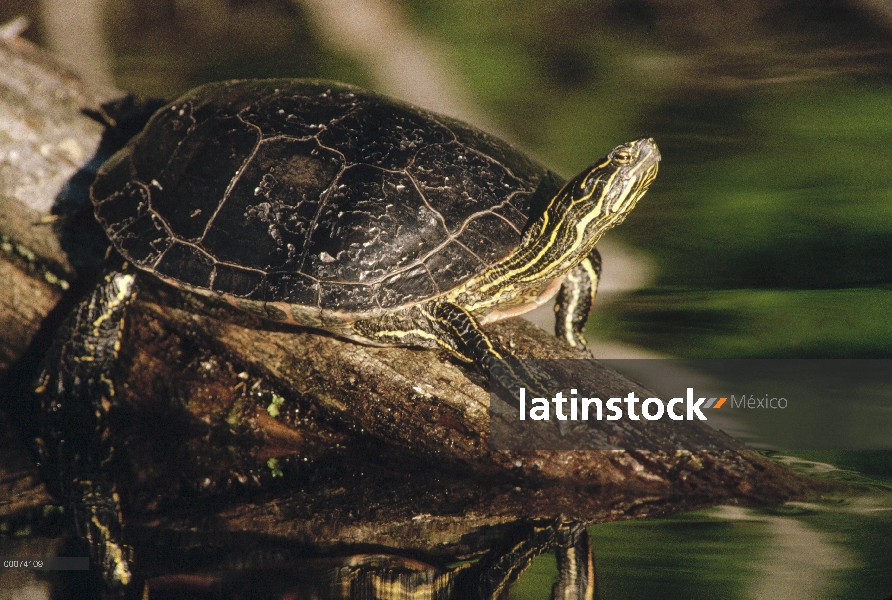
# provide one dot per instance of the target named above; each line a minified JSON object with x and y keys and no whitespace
{"x":438,"y":324}
{"x":574,"y":301}
{"x":77,"y":397}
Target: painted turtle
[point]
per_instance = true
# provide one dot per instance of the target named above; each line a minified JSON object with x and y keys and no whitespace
{"x":323,"y":205}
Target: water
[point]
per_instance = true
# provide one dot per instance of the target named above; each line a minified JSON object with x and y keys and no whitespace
{"x":832,"y":546}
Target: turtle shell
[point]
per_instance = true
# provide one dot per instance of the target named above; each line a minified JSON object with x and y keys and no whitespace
{"x":315,"y":194}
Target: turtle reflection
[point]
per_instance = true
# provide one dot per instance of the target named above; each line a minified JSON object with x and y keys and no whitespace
{"x":487,"y":574}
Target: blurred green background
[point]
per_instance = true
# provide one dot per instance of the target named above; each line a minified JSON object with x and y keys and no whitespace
{"x":767,"y":234}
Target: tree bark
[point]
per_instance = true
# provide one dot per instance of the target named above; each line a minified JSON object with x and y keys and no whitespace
{"x":240,"y":426}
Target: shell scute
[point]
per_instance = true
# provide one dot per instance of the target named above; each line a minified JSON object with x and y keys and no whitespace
{"x":273,"y":205}
{"x":187,"y":264}
{"x":361,"y":297}
{"x":406,"y":287}
{"x":451,"y":263}
{"x":387,"y":137}
{"x":137,"y":231}
{"x":462,"y":182}
{"x":291,"y":287}
{"x":145,"y":239}
{"x":120,"y":209}
{"x":176,"y":121}
{"x":265,"y":310}
{"x":478,"y":232}
{"x":236,"y":281}
{"x":486,"y":144}
{"x":200,"y":173}
{"x":374,"y":224}
{"x":298,"y":111}
{"x":118,"y":177}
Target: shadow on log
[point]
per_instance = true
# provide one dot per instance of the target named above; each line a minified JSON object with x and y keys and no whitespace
{"x":237,"y":427}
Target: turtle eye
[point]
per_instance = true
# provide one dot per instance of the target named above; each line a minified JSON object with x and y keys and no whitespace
{"x":622,"y":157}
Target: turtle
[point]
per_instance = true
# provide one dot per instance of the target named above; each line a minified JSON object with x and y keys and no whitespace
{"x":319,"y":204}
{"x":498,"y":562}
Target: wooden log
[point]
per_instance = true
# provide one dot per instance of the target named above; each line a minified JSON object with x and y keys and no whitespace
{"x":45,"y":143}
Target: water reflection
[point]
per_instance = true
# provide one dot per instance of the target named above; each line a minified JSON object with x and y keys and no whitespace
{"x":833,"y":546}
{"x":485,"y":571}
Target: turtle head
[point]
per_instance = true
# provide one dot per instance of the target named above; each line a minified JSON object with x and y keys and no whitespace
{"x":609,"y":189}
{"x":589,"y":204}
{"x":600,"y":197}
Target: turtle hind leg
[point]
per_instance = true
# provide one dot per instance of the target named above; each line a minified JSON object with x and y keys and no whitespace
{"x":575,"y":299}
{"x":76,"y":396}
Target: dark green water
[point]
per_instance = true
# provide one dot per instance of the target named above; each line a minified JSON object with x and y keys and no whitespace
{"x":833,"y":546}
